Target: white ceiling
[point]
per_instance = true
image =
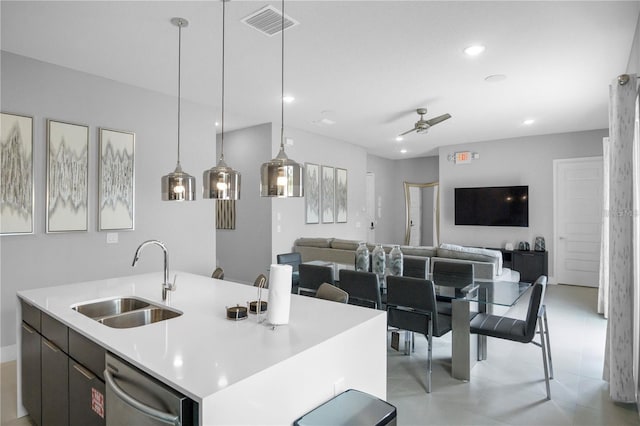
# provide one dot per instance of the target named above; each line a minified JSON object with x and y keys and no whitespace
{"x":367,"y":65}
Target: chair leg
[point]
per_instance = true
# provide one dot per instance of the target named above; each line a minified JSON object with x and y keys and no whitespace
{"x":429,"y":355}
{"x":543,"y":345}
{"x":546,"y":333}
{"x":408,"y":337}
{"x":413,"y":342}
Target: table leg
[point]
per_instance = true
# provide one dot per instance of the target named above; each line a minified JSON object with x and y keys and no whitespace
{"x":464,"y":349}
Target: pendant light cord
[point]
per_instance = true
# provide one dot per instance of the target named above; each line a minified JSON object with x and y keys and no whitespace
{"x":282,"y":83}
{"x":222,"y":114}
{"x":180,"y":24}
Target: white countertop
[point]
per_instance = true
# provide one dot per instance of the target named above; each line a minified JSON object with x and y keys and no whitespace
{"x":200,"y":352}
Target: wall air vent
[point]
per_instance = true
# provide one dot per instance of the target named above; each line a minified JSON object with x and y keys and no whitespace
{"x":268,"y":20}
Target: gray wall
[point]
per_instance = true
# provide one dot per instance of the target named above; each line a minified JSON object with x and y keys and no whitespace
{"x":390,"y":176}
{"x":288,"y":215}
{"x":46,"y":91}
{"x":520,"y":161}
{"x":245,"y":252}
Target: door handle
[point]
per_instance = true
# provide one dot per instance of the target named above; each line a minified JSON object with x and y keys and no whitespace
{"x":86,"y":373}
{"x":140,"y":406}
{"x":28,"y":329}
{"x":51,"y":345}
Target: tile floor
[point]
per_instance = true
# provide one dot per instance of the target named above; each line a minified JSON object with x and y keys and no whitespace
{"x":506,"y":389}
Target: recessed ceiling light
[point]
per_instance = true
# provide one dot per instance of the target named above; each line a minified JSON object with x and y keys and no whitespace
{"x":288,"y":99}
{"x":495,"y":78}
{"x":403,"y":151}
{"x":399,"y":138}
{"x":474,"y":50}
{"x":528,"y":122}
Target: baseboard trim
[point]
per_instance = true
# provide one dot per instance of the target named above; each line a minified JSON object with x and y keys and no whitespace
{"x":8,"y":353}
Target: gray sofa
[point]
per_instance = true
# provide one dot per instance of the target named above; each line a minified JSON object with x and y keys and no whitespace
{"x":487,"y":263}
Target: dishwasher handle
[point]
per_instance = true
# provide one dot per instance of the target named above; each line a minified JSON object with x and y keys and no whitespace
{"x":144,"y":408}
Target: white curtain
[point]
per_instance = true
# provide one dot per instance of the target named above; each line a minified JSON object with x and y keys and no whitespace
{"x":603,"y":288}
{"x":623,"y":330}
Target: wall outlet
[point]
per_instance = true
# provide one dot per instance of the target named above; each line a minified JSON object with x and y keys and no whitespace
{"x":112,"y":238}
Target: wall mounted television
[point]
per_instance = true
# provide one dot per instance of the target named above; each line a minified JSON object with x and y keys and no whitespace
{"x":492,"y":206}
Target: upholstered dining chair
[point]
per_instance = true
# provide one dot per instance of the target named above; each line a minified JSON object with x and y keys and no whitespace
{"x":455,"y":275}
{"x":311,"y":276}
{"x":294,"y":259}
{"x":363,"y":288}
{"x":522,"y":331}
{"x":328,"y":291}
{"x":261,"y":281}
{"x":218,"y":273}
{"x":412,"y":306}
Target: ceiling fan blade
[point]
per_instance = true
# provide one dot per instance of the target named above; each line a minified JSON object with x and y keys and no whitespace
{"x":408,"y":131}
{"x":439,"y":119}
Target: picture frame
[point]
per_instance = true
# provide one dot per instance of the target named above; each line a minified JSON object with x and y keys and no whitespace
{"x":341,"y":195}
{"x":17,"y":187}
{"x":67,"y":177}
{"x":328,"y":194}
{"x":116,"y":180}
{"x":312,"y":192}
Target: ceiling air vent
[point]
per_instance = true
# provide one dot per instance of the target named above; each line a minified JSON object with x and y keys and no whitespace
{"x":268,"y":20}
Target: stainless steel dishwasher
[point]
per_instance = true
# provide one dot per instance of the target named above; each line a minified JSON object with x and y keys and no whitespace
{"x":135,"y":398}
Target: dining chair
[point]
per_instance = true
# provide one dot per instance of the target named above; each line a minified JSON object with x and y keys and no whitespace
{"x":311,"y":276}
{"x":294,"y":259}
{"x":218,"y":273}
{"x":261,"y":281}
{"x":328,"y":291}
{"x":450,"y":277}
{"x":412,"y":306}
{"x":415,"y":266}
{"x":522,"y":331}
{"x":363,"y":288}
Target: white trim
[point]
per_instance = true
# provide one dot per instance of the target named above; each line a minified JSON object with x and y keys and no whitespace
{"x":8,"y":353}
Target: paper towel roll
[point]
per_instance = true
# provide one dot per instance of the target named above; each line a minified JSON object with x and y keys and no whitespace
{"x":279,"y":294}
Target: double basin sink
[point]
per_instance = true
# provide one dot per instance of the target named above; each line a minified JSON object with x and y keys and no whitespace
{"x":125,"y":312}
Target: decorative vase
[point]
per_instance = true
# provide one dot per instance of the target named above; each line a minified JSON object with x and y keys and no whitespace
{"x":378,"y":259}
{"x":395,"y":261}
{"x":362,"y":257}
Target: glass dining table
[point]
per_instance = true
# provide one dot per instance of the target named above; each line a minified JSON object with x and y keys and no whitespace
{"x":484,"y":295}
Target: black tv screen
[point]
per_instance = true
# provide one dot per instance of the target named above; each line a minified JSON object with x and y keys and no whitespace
{"x":492,"y":206}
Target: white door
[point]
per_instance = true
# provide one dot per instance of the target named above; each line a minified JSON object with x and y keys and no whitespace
{"x":578,"y":219}
{"x":415,"y":215}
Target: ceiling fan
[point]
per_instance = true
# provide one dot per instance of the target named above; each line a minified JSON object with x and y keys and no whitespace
{"x":423,"y":125}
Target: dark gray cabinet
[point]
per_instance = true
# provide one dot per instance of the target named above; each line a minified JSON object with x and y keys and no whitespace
{"x":62,"y":372}
{"x":31,"y":372}
{"x":530,"y":264}
{"x":55,"y":385}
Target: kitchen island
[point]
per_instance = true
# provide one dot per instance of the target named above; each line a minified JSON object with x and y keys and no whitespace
{"x":238,"y":372}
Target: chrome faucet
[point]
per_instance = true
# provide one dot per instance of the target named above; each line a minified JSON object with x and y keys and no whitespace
{"x":166,"y":285}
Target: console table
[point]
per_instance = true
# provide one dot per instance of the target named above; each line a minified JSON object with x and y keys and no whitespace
{"x":530,"y":264}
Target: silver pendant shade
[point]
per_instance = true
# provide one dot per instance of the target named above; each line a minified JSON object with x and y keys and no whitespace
{"x":178,"y":185}
{"x":221,"y":182}
{"x":282,"y":176}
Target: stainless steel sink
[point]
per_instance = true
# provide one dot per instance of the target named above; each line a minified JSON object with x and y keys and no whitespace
{"x":110,"y":307}
{"x":140,"y":317}
{"x":125,"y":312}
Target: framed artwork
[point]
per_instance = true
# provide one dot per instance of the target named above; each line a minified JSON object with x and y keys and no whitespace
{"x":116,"y":180}
{"x":67,"y":176}
{"x":341,"y":195}
{"x":225,"y":214}
{"x":312,"y":192}
{"x":16,"y":183}
{"x":328,"y":194}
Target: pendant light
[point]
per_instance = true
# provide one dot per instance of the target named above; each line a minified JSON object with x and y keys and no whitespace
{"x":221,"y":182}
{"x":281,"y":177}
{"x":178,"y":185}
